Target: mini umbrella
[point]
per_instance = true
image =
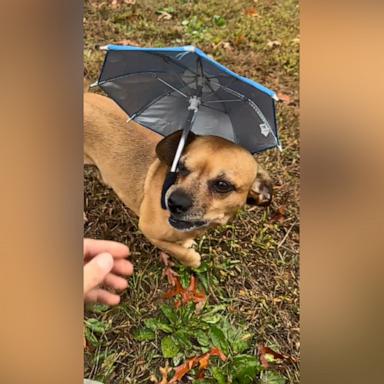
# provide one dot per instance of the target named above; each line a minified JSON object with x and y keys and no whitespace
{"x":181,"y":88}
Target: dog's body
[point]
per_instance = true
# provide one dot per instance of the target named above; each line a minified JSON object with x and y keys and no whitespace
{"x":215,"y":177}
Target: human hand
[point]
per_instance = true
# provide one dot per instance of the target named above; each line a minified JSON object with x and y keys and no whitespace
{"x":105,"y":264}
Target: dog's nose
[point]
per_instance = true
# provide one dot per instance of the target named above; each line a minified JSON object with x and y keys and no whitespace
{"x":179,"y":202}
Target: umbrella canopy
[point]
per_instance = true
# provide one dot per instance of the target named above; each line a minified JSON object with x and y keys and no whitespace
{"x":181,"y":88}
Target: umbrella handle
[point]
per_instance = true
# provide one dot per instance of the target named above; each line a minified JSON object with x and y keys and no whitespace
{"x":169,"y":180}
{"x":194,"y":103}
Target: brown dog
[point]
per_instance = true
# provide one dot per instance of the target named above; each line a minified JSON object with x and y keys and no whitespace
{"x":216,"y":177}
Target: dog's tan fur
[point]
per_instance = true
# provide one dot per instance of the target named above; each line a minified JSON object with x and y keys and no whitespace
{"x":134,"y":161}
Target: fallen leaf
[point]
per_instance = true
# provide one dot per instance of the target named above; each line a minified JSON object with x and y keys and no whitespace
{"x":187,"y":295}
{"x":202,"y":362}
{"x":128,"y":42}
{"x":153,"y":379}
{"x":279,"y":215}
{"x":164,"y":375}
{"x":264,"y":353}
{"x":164,"y":16}
{"x":283,"y":97}
{"x":116,"y":3}
{"x":183,"y":369}
{"x":217,"y":352}
{"x":171,"y":275}
{"x":227,"y":46}
{"x":251,"y":12}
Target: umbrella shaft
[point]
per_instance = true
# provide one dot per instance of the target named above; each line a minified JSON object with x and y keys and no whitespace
{"x":183,"y":139}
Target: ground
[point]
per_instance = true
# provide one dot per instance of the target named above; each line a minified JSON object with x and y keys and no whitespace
{"x":253,"y":262}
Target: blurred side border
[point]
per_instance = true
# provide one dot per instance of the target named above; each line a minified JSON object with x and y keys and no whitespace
{"x":342,"y":57}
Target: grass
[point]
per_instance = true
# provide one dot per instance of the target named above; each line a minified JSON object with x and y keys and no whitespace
{"x":252,"y":263}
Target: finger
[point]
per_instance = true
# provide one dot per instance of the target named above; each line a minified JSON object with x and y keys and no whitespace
{"x":123,"y":267}
{"x":96,"y":270}
{"x":93,"y":247}
{"x":102,"y":296}
{"x":115,"y":282}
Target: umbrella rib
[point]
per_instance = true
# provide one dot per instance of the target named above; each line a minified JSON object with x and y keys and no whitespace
{"x":129,"y":74}
{"x":253,"y":106}
{"x":154,"y":74}
{"x":165,"y":58}
{"x":172,"y":87}
{"x":209,"y":107}
{"x":222,"y":101}
{"x":146,"y":106}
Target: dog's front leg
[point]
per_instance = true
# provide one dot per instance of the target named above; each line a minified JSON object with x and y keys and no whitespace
{"x":186,"y":256}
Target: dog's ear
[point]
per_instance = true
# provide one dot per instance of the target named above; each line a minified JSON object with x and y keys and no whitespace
{"x":166,"y":148}
{"x":261,"y":190}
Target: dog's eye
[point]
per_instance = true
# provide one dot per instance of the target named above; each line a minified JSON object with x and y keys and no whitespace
{"x":222,"y":186}
{"x":183,"y":171}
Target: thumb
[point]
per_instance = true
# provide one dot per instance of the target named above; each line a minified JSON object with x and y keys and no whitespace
{"x":96,"y":270}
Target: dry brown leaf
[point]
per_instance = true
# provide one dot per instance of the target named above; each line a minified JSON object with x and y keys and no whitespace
{"x":164,"y":16}
{"x":227,"y":46}
{"x":283,"y":97}
{"x":251,"y":12}
{"x":217,"y":352}
{"x":279,"y":215}
{"x":128,"y":42}
{"x":202,"y":362}
{"x":263,"y":351}
{"x":187,"y":295}
{"x":171,"y":275}
{"x":164,"y":374}
{"x":183,"y":369}
{"x":116,"y":3}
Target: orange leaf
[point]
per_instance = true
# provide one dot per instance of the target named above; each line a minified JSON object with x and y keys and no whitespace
{"x":187,"y":295}
{"x":279,"y":215}
{"x":204,"y":360}
{"x":201,"y":374}
{"x":283,"y":97}
{"x":171,"y":276}
{"x":128,"y":42}
{"x":263,"y":350}
{"x":183,"y":369}
{"x":251,"y":12}
{"x":217,"y":352}
{"x":177,"y":290}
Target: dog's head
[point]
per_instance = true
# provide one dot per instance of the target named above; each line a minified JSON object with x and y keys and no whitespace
{"x":215,"y":178}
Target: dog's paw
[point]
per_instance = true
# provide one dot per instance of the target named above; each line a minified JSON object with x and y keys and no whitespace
{"x":192,"y":259}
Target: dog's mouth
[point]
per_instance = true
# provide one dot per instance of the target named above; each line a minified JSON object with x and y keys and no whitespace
{"x":186,"y":225}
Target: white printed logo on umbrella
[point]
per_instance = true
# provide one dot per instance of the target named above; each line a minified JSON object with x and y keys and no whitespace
{"x":264,"y":129}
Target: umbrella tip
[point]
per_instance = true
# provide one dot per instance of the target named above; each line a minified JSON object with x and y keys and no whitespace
{"x":103,"y":48}
{"x":189,"y":48}
{"x":275,"y":97}
{"x":280,"y":148}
